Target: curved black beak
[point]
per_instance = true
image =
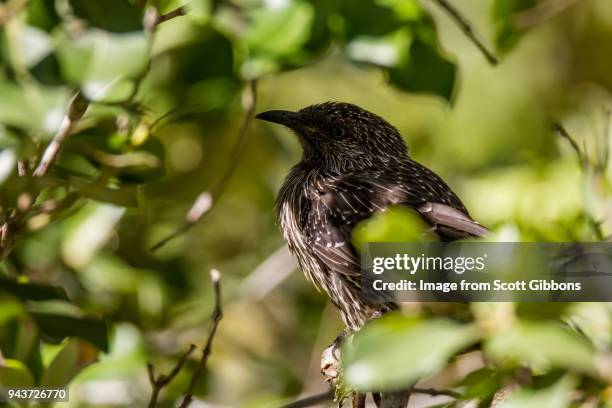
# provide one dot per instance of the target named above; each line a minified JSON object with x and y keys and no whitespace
{"x":281,"y":117}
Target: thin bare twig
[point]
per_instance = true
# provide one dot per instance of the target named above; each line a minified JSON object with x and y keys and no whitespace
{"x":152,"y":18}
{"x":560,"y":129}
{"x":468,"y":30}
{"x":434,"y":392}
{"x":311,"y":400}
{"x":158,"y":383}
{"x":76,"y":109}
{"x":329,"y":395}
{"x":215,"y":318}
{"x":207,"y":199}
{"x":178,"y":12}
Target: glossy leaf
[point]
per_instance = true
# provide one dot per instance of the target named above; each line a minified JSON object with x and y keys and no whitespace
{"x":57,"y":327}
{"x":90,"y":229}
{"x":394,"y":352}
{"x":557,"y":396}
{"x":31,"y":45}
{"x":543,"y":345}
{"x":276,"y":36}
{"x":32,"y":106}
{"x":97,"y":61}
{"x":69,"y":361}
{"x":399,"y":224}
{"x":15,"y":374}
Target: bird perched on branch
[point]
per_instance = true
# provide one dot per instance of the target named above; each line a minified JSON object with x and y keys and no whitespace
{"x":354,"y":164}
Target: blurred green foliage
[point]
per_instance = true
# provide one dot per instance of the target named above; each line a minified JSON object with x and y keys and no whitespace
{"x":83,"y":301}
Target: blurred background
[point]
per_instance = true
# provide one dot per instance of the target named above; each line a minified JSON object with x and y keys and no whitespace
{"x":83,"y":299}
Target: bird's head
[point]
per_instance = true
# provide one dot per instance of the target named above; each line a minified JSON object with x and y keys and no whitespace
{"x":341,"y":134}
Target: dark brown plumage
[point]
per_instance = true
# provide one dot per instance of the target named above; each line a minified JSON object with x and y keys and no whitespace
{"x":354,"y":164}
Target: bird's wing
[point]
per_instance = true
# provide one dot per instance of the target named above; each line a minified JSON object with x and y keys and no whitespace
{"x":339,"y":203}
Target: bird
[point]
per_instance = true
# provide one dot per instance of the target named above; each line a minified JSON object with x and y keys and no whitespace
{"x":354,"y":164}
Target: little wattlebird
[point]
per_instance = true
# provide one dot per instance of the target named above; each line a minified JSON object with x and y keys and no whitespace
{"x":354,"y":164}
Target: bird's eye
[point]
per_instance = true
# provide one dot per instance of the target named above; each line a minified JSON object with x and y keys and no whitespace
{"x":338,"y":131}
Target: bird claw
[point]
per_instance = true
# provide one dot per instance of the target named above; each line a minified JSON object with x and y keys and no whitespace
{"x":330,"y":362}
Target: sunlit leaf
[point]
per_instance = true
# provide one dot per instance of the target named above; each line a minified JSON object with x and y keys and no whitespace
{"x":557,"y":396}
{"x":406,"y":10}
{"x":31,"y":44}
{"x":280,"y":31}
{"x":198,"y":10}
{"x":89,"y":230}
{"x":394,"y":352}
{"x":97,"y":61}
{"x":482,"y":383}
{"x":384,"y":51}
{"x":32,"y":106}
{"x":74,"y":356}
{"x":9,"y":310}
{"x":15,"y":374}
{"x":276,"y":36}
{"x":402,"y":37}
{"x":399,"y":224}
{"x":543,"y":345}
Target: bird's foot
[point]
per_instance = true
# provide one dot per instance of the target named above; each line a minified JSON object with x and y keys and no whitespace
{"x":330,"y":360}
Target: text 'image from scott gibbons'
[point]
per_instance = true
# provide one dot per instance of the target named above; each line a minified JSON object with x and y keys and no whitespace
{"x":487,"y":271}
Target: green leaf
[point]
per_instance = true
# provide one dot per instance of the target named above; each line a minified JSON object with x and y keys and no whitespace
{"x":405,"y":10}
{"x":15,"y":374}
{"x":31,"y":44}
{"x":542,"y":345}
{"x":393,"y":352}
{"x":198,"y":10}
{"x":482,"y":383}
{"x":381,"y":51}
{"x":426,"y":70}
{"x":398,"y":224}
{"x":276,"y":36}
{"x":402,"y":37}
{"x":32,"y":106}
{"x":97,"y":61}
{"x":74,"y":357}
{"x":504,"y":18}
{"x":57,"y":327}
{"x":109,"y":15}
{"x":9,"y":310}
{"x":557,"y":396}
{"x":42,"y":14}
{"x":32,"y":291}
{"x":88,"y":231}
{"x":280,"y":31}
